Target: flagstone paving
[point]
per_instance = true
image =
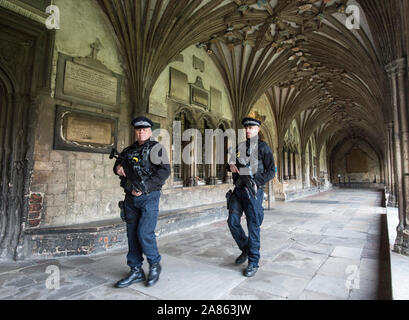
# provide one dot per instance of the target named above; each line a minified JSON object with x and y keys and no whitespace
{"x":327,"y":246}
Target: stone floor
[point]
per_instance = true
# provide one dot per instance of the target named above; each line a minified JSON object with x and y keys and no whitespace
{"x":328,"y":246}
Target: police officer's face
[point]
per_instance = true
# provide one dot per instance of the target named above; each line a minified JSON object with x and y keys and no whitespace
{"x":143,"y":134}
{"x":252,"y":131}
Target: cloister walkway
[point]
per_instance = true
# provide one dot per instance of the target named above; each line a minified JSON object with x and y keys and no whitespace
{"x":332,"y":245}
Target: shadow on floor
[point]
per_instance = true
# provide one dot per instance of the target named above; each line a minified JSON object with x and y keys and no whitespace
{"x":385,"y":279}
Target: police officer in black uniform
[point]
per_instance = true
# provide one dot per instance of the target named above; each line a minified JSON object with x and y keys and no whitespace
{"x":248,"y":194}
{"x":141,"y":204}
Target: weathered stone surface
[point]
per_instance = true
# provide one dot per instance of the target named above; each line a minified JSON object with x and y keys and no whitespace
{"x":293,"y":265}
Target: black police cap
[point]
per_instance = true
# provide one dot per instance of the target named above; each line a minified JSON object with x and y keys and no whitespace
{"x":250,"y":122}
{"x":142,"y":122}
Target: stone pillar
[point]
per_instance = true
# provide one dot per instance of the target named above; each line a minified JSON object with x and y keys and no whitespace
{"x":387,"y":163}
{"x":402,"y":78}
{"x":303,"y":169}
{"x":270,"y":195}
{"x":317,"y":165}
{"x":397,"y":72}
{"x":191,"y":169}
{"x":392,"y":186}
{"x":291,"y":166}
{"x":285,"y":165}
{"x":211,"y":168}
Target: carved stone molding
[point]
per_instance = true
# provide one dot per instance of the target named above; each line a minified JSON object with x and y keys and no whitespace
{"x":34,"y":10}
{"x":396,"y":67}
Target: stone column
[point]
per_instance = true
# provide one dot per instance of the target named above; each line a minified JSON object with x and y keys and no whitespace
{"x":392,"y":198}
{"x":387,"y":163}
{"x":270,"y":196}
{"x":211,"y":178}
{"x":191,"y":168}
{"x":402,"y":78}
{"x":291,"y":165}
{"x":285,"y":165}
{"x":317,"y":165}
{"x":397,"y":72}
{"x":303,"y":169}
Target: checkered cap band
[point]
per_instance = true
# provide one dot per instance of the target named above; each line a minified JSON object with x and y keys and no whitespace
{"x":142,"y":124}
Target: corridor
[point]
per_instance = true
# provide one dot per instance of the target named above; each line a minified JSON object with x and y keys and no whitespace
{"x":332,"y":245}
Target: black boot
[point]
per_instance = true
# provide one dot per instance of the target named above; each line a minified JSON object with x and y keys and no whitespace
{"x":136,"y":275}
{"x":242,"y":258}
{"x":250,"y":271}
{"x":154,"y":272}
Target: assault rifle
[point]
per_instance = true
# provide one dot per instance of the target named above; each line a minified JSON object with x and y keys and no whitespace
{"x":247,"y":182}
{"x":133,"y":172}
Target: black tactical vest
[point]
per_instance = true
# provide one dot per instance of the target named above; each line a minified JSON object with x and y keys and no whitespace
{"x":139,"y":159}
{"x":250,"y":152}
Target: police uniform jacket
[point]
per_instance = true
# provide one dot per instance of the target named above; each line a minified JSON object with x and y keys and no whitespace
{"x":266,"y":166}
{"x":158,"y":173}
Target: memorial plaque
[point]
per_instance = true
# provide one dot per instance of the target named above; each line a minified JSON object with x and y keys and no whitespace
{"x":158,"y":109}
{"x":77,"y":130}
{"x":198,"y":94}
{"x":198,"y":64}
{"x":215,"y":100}
{"x":89,"y":84}
{"x":38,"y":4}
{"x":86,"y":81}
{"x":86,"y":130}
{"x":200,"y":97}
{"x":178,"y":86}
{"x":178,"y":58}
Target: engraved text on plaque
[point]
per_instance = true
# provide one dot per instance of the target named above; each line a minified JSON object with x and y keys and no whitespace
{"x":86,"y":130}
{"x":89,"y":84}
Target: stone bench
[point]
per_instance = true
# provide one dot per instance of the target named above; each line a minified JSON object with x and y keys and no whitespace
{"x":96,"y":237}
{"x":399,"y":264}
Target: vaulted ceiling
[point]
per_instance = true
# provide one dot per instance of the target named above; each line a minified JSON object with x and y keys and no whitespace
{"x":300,"y":53}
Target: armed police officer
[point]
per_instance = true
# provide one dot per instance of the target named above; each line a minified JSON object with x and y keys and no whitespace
{"x":253,"y":168}
{"x":142,"y":177}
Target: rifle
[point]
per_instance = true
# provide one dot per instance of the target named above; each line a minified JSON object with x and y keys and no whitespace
{"x":229,"y":194}
{"x":133,"y":172}
{"x":248,"y":183}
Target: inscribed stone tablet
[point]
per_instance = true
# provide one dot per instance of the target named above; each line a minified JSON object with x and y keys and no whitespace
{"x":178,"y":88}
{"x":86,"y":130}
{"x":215,"y":100}
{"x":89,"y":84}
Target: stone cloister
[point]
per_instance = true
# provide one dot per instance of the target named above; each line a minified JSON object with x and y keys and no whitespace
{"x":328,"y":79}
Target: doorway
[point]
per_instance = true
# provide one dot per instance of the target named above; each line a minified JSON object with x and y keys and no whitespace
{"x":25,"y":60}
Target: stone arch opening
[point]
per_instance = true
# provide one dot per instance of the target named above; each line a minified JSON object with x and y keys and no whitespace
{"x":13,"y":166}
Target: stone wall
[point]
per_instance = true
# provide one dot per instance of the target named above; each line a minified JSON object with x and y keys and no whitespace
{"x":76,"y":187}
{"x":73,"y":188}
{"x":340,"y":164}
